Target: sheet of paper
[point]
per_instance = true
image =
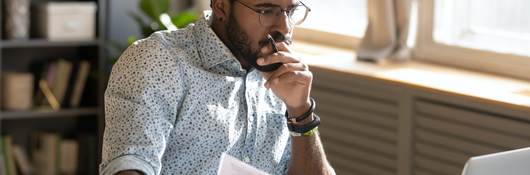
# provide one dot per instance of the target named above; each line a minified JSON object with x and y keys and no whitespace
{"x":232,"y":166}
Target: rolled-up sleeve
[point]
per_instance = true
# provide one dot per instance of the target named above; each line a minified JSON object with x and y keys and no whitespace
{"x":127,"y":162}
{"x":141,"y":103}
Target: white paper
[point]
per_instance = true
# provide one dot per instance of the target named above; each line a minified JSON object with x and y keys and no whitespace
{"x":232,"y":166}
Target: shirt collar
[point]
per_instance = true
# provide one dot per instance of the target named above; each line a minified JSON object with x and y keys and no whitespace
{"x":211,"y":49}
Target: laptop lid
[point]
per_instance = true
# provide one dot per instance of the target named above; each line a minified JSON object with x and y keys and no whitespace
{"x":515,"y":162}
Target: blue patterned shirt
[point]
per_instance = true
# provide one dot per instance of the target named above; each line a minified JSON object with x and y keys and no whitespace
{"x":179,"y":99}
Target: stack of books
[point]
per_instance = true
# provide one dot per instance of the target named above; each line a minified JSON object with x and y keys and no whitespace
{"x":61,"y":83}
{"x":50,"y":155}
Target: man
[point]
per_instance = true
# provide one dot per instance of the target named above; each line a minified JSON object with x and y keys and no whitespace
{"x":179,"y":99}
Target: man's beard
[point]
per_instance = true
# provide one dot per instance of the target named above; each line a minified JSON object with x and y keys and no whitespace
{"x":240,"y":45}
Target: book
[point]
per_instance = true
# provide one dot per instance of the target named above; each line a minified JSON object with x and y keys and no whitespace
{"x":64,"y":69}
{"x":45,"y":153}
{"x":3,"y":169}
{"x":79,"y":85}
{"x":45,"y":71}
{"x":68,"y":157}
{"x":61,"y":82}
{"x":50,"y":73}
{"x":7,"y":142}
{"x":49,"y":96}
{"x":21,"y":160}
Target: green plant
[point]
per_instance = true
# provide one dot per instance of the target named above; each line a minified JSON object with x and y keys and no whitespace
{"x":155,"y":15}
{"x":160,"y":17}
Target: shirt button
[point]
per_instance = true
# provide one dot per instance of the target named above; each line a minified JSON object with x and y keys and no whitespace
{"x":246,"y":159}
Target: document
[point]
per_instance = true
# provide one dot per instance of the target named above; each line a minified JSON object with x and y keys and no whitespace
{"x":232,"y":166}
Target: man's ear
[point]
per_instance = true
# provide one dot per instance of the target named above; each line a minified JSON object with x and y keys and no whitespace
{"x":221,"y":9}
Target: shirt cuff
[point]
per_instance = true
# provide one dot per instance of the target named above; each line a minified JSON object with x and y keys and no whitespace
{"x":127,"y":162}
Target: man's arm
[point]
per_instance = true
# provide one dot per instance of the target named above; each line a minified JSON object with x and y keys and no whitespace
{"x":292,"y":83}
{"x":307,"y":155}
{"x":139,"y":110}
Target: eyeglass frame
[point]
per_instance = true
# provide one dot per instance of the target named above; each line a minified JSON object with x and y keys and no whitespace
{"x":282,"y":11}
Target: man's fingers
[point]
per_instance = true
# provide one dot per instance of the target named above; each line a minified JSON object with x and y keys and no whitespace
{"x":290,"y":67}
{"x":294,"y":77}
{"x":279,"y":57}
{"x":281,"y":46}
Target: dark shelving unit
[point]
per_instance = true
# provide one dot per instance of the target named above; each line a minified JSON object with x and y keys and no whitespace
{"x":34,"y":43}
{"x":15,"y":55}
{"x":48,"y":113}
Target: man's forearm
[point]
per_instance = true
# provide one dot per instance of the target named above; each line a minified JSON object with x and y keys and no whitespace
{"x":308,"y":157}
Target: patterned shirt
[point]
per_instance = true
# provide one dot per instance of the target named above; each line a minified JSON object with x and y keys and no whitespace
{"x":179,"y":99}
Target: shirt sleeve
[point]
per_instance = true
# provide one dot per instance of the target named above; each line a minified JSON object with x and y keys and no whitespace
{"x":141,"y":103}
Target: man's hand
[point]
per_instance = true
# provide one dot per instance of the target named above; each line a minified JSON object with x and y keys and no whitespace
{"x":291,"y":82}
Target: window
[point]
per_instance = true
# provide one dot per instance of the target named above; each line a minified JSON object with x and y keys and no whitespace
{"x":347,"y":17}
{"x":335,"y":20}
{"x":485,"y":35}
{"x":495,"y":25}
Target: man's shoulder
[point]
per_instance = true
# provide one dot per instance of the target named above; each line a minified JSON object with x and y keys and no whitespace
{"x":180,"y":39}
{"x":173,"y":45}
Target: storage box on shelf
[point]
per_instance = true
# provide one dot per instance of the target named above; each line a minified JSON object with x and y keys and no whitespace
{"x":59,"y":21}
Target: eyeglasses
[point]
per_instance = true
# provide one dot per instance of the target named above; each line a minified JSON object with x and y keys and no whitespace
{"x":268,"y":16}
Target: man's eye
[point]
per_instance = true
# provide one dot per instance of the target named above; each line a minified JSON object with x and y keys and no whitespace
{"x":291,"y":11}
{"x":267,"y":11}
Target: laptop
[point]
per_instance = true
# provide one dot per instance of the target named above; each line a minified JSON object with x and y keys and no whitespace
{"x":515,"y":162}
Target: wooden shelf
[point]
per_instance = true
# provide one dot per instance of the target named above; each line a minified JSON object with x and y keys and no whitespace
{"x":32,"y":43}
{"x":36,"y":114}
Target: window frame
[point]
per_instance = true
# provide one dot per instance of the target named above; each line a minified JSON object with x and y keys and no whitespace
{"x":426,"y":49}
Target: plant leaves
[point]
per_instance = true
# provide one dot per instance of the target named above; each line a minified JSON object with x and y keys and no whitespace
{"x":131,"y":39}
{"x":153,"y":8}
{"x":182,"y":19}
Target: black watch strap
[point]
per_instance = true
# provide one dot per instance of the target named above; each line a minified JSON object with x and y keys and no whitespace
{"x":306,"y":114}
{"x":304,"y":128}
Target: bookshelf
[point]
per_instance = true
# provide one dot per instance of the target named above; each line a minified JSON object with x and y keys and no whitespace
{"x":84,"y":121}
{"x":36,"y":114}
{"x":35,"y":43}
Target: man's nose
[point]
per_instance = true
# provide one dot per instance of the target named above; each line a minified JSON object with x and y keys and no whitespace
{"x":283,"y":24}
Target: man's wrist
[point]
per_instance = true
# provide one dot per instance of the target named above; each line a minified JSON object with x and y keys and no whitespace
{"x":309,"y":133}
{"x":297,"y":111}
{"x":303,"y":128}
{"x":306,"y":120}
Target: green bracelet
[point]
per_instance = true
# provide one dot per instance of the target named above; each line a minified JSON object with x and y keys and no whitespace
{"x":309,"y":133}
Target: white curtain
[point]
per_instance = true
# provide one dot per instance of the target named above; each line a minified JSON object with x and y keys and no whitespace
{"x":386,"y":35}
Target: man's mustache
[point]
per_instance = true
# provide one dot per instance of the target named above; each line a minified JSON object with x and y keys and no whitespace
{"x":278,"y":37}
